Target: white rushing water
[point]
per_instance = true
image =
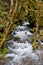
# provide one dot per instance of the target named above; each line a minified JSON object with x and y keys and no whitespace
{"x":19,"y":50}
{"x":26,"y":23}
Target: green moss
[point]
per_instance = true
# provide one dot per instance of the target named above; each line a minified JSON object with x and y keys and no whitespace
{"x":3,"y":52}
{"x":2,"y":55}
{"x":17,"y":37}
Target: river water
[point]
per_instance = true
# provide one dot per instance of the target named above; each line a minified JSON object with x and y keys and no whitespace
{"x":21,"y":50}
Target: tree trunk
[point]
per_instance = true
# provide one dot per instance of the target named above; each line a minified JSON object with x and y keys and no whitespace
{"x":9,"y":25}
{"x":11,"y":6}
{"x":37,"y":27}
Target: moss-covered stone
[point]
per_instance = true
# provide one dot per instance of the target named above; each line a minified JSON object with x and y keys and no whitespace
{"x":17,"y":37}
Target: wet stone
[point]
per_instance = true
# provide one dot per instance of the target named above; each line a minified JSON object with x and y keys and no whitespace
{"x":27,"y":61}
{"x":3,"y":61}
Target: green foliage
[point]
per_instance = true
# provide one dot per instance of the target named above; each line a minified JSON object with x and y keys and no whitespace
{"x":3,"y":52}
{"x":23,"y":8}
{"x":22,"y":11}
{"x":32,"y":18}
{"x":22,"y":14}
{"x":2,"y":26}
{"x":1,"y":35}
{"x":2,"y":55}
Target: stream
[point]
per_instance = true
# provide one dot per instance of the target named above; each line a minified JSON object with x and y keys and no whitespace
{"x":20,"y":48}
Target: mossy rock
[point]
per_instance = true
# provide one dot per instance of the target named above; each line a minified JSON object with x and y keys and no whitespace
{"x":17,"y":37}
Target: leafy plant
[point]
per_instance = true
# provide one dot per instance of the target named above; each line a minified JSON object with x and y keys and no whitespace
{"x":3,"y":52}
